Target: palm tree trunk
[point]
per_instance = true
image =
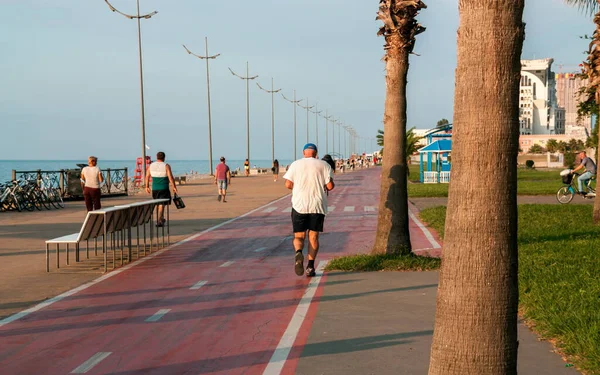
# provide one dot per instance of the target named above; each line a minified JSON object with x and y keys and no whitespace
{"x":393,"y":234}
{"x":476,"y":313}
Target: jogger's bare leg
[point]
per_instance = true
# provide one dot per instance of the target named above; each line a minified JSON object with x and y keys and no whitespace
{"x":299,"y":241}
{"x":313,"y":244}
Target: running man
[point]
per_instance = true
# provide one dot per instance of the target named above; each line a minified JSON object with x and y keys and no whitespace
{"x":309,"y":179}
{"x":161,"y":176}
{"x":222,"y":179}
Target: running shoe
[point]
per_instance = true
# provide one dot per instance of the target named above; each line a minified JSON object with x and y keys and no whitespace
{"x":310,"y":272}
{"x":219,"y":198}
{"x":299,"y":267}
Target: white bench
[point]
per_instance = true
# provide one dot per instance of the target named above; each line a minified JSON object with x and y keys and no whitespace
{"x":113,"y":221}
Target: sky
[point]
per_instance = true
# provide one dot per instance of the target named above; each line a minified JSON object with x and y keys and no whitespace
{"x":69,"y":73}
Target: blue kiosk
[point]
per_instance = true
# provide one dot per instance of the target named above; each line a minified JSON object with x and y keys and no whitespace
{"x":438,"y":149}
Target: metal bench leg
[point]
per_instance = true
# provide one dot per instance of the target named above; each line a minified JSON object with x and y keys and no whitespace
{"x":137,"y":230}
{"x":87,"y":249}
{"x":67,"y":254}
{"x":96,"y":246}
{"x":122,"y":243}
{"x":57,"y":256}
{"x":145,"y":245}
{"x":112,"y":240}
{"x":47,"y":259}
{"x":77,"y":252}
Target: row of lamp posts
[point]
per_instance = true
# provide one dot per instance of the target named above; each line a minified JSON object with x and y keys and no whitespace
{"x":247,"y":78}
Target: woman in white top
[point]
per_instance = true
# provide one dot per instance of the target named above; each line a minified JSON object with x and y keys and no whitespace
{"x":92,"y":178}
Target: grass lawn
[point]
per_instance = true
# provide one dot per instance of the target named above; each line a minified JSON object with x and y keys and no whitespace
{"x":559,"y":269}
{"x":384,"y":262}
{"x":530,"y":182}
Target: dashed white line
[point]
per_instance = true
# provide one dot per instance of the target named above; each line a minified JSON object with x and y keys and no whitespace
{"x":289,"y":209}
{"x":369,"y":208}
{"x":90,"y":363}
{"x":286,"y":343}
{"x":158,"y":315}
{"x":199,"y":285}
{"x":349,"y":209}
{"x":227,"y":264}
{"x":270,"y":209}
{"x":260,"y":249}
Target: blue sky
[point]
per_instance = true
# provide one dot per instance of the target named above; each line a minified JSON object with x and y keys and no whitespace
{"x":70,"y":83}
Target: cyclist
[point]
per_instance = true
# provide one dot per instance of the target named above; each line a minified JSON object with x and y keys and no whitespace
{"x":590,"y":171}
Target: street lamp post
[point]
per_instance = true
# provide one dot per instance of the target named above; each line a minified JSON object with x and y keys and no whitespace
{"x":317,"y":112}
{"x":138,"y":17}
{"x":294,"y":103}
{"x":307,"y":110}
{"x":272,"y":92}
{"x":334,"y":121}
{"x":247,"y":78}
{"x":327,"y":118}
{"x":207,"y":57}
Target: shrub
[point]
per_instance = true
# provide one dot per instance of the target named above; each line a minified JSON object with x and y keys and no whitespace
{"x":529,"y":163}
{"x":569,"y":159}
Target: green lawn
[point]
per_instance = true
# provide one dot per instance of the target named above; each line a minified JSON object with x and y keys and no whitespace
{"x":384,"y":262}
{"x":559,"y":269}
{"x":530,"y":182}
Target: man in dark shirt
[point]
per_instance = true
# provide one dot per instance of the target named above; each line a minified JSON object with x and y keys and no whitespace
{"x":222,"y":179}
{"x":590,"y":171}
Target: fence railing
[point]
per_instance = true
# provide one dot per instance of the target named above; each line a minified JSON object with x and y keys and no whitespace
{"x":69,"y":183}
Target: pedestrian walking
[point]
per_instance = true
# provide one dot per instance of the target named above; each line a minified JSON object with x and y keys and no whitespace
{"x":92,"y":179}
{"x":309,"y":179}
{"x":275,"y":170}
{"x":161,"y":177}
{"x":247,"y":167}
{"x":222,"y":179}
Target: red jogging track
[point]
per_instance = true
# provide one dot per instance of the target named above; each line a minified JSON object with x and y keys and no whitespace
{"x":231,"y":322}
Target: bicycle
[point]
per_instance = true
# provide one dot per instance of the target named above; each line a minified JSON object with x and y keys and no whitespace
{"x":566,"y":193}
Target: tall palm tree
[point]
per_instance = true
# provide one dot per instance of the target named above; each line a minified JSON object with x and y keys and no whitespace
{"x":399,"y":29}
{"x":476,"y":313}
{"x":412,"y":141}
{"x":591,"y":69}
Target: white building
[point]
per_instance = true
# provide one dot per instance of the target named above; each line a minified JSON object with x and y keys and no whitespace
{"x":539,"y":112}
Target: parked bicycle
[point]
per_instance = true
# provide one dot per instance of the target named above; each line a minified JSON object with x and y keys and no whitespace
{"x":29,"y":195}
{"x":566,"y":193}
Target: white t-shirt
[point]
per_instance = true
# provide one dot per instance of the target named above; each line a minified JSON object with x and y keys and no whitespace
{"x":309,"y":176}
{"x":91,"y":177}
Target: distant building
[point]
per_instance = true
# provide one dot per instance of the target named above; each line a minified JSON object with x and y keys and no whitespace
{"x":539,"y":112}
{"x":567,"y":95}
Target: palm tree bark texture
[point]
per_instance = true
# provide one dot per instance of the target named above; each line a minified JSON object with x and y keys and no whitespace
{"x":591,"y":69}
{"x":476,"y":313}
{"x":399,"y":29}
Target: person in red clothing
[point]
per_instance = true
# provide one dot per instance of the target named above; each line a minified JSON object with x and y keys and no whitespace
{"x":222,"y":179}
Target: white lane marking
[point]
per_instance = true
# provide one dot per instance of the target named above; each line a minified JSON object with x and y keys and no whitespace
{"x":227,"y":264}
{"x":425,"y":231}
{"x":199,"y":285}
{"x":349,"y":208}
{"x":289,"y":209}
{"x":286,"y":343}
{"x":369,"y":208}
{"x":90,"y":363}
{"x":71,"y":292}
{"x":270,"y":209}
{"x":158,"y":315}
{"x":330,"y":208}
{"x":260,"y":249}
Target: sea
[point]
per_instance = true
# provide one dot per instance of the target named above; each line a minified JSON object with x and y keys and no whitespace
{"x":179,"y":167}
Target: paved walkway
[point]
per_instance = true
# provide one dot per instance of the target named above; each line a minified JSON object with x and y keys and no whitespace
{"x":226,"y":301}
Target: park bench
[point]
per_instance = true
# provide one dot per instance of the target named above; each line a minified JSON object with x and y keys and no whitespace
{"x":180,"y":179}
{"x":115,"y":222}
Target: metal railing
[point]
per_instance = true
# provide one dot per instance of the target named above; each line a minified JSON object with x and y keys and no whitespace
{"x":67,"y":181}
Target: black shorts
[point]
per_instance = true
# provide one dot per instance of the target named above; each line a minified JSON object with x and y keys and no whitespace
{"x":304,"y":222}
{"x":162,"y":194}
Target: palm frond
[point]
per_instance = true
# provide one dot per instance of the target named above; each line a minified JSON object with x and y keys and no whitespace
{"x":588,"y":6}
